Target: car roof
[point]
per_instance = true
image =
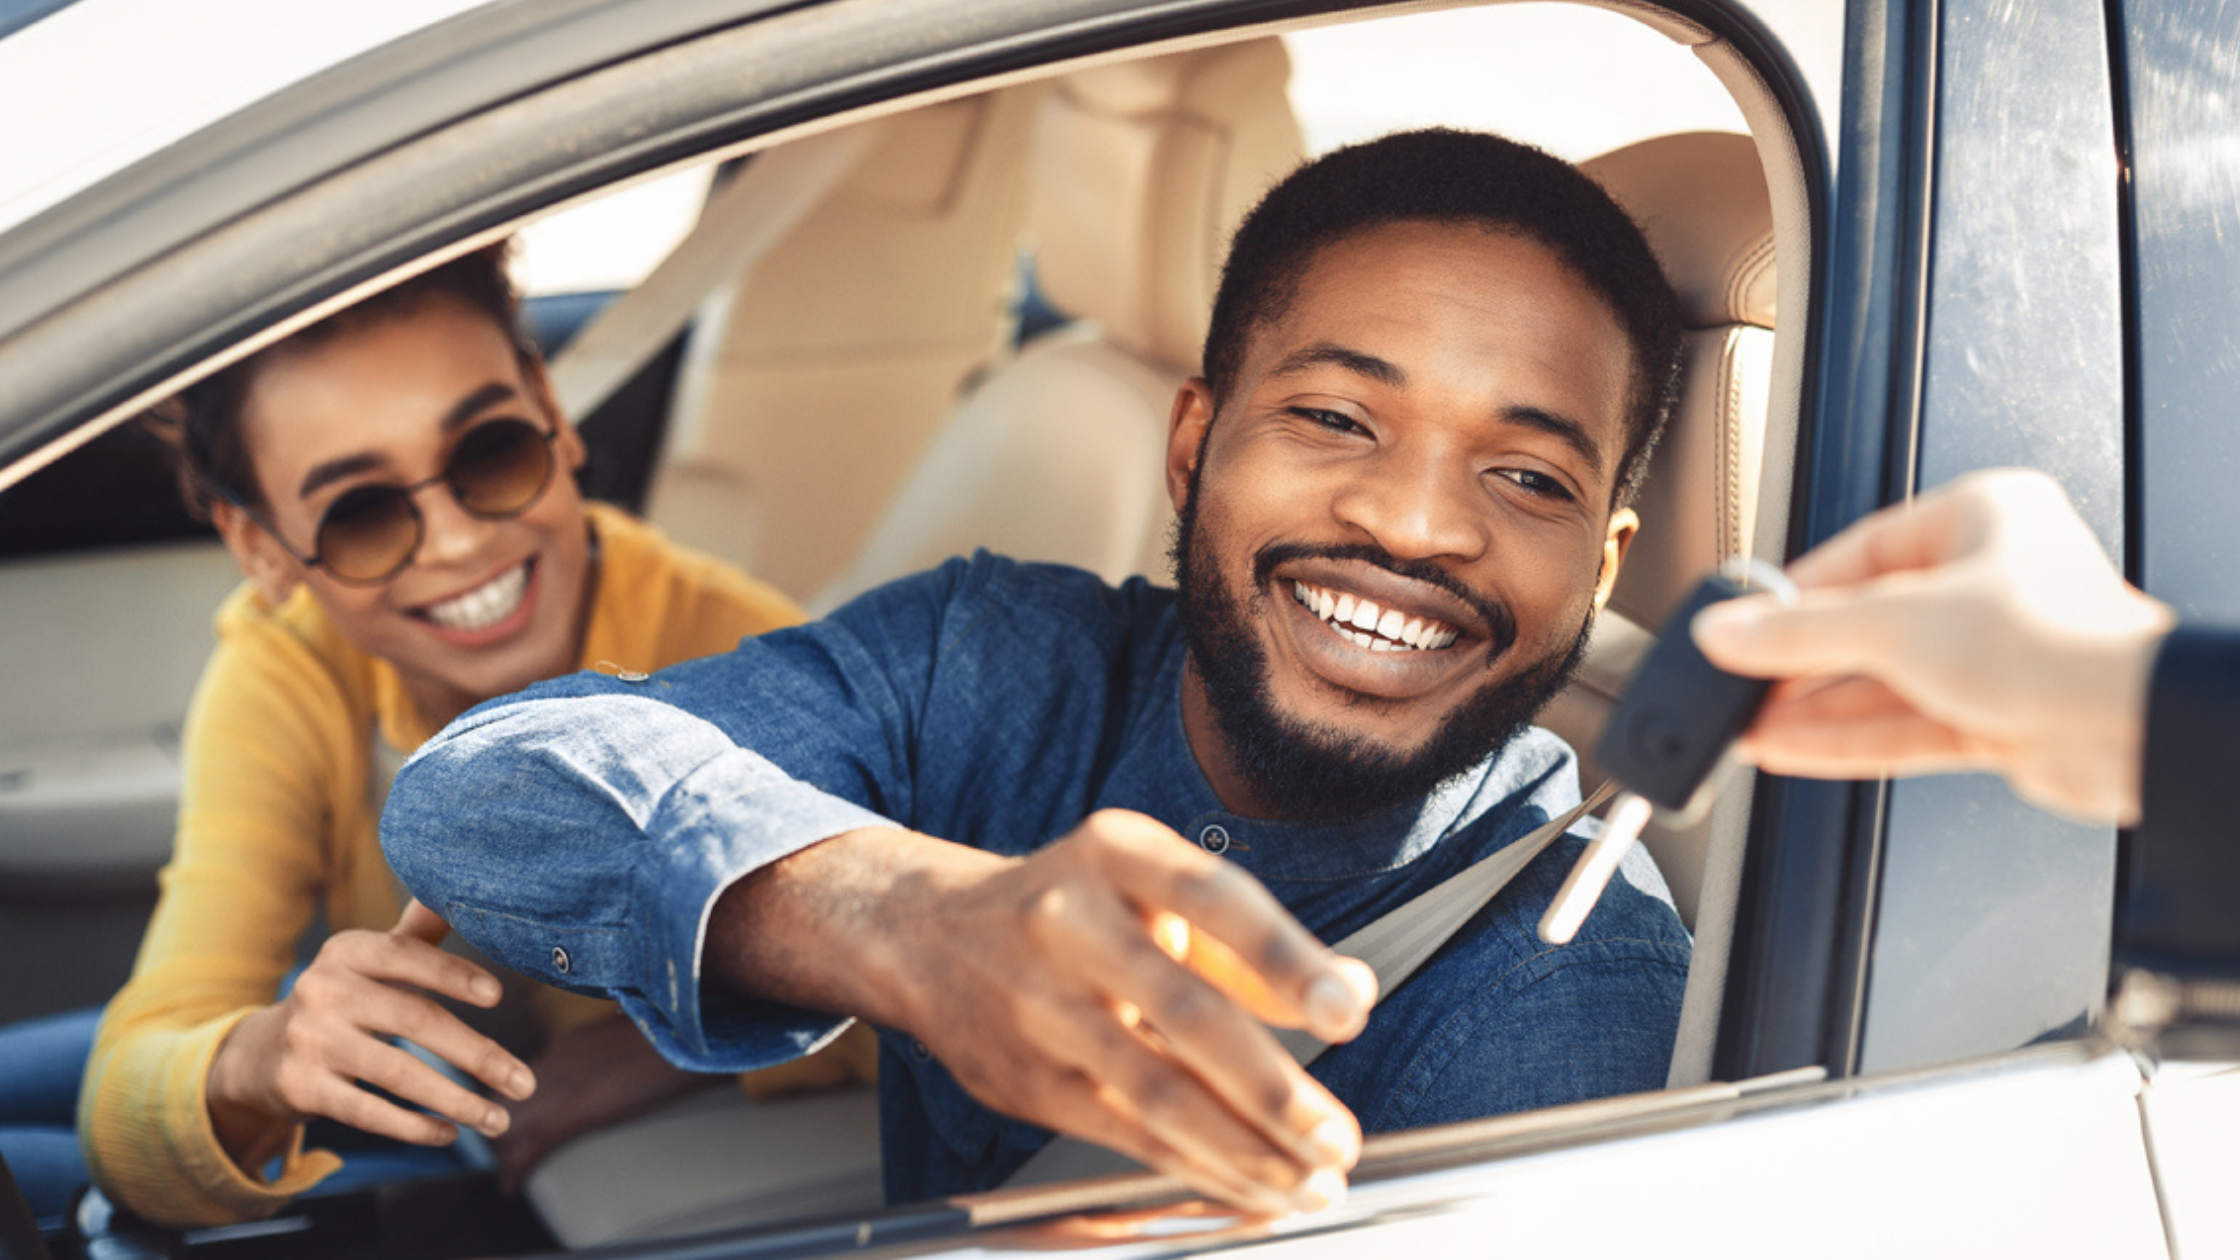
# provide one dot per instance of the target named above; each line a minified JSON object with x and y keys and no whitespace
{"x":162,"y":71}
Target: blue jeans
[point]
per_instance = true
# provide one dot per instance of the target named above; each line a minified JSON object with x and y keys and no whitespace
{"x":41,"y":1062}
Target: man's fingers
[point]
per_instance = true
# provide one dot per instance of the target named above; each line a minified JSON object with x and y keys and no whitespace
{"x":1208,"y":1038}
{"x":1112,"y":1115}
{"x":1157,"y":870}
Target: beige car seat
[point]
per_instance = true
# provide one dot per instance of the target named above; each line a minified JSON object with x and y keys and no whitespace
{"x":813,"y":385}
{"x":1701,"y":198}
{"x":1139,"y":173}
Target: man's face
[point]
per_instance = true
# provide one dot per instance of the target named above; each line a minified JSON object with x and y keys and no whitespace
{"x":1397,"y":530}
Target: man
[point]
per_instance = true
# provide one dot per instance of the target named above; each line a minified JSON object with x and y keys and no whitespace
{"x":1436,"y":367}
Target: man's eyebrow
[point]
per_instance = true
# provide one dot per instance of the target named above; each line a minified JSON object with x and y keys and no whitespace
{"x":1359,"y":362}
{"x":461,"y":412}
{"x":1569,"y":431}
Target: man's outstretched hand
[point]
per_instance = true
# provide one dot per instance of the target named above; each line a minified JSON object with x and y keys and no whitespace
{"x":1039,"y":983}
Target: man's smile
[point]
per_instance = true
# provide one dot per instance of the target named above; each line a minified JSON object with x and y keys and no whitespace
{"x":1375,"y":633}
{"x":1361,"y":622}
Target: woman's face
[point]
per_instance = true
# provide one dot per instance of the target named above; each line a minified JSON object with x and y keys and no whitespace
{"x":484,"y":607}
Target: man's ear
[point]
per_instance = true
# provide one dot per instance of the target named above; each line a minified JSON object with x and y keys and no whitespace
{"x":1186,"y":435}
{"x":262,"y":559}
{"x":1623,"y":526}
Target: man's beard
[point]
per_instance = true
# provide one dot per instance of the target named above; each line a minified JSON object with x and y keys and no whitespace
{"x":1318,"y":770}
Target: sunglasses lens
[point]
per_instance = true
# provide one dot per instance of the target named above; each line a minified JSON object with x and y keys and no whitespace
{"x":499,"y":469}
{"x":368,"y":533}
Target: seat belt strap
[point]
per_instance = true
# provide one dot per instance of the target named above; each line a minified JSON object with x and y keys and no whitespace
{"x":740,"y":223}
{"x":1394,"y":945}
{"x":1405,"y":937}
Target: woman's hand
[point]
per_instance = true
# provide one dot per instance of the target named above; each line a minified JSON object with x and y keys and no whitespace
{"x":314,"y":1052}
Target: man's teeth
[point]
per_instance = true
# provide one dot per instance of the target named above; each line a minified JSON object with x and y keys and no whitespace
{"x":1362,"y":623}
{"x":485,"y":605}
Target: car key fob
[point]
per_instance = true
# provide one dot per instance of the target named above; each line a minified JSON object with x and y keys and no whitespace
{"x":1680,"y":713}
{"x":1671,"y":729}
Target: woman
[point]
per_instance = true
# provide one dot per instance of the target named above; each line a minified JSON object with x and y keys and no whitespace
{"x":395,"y":484}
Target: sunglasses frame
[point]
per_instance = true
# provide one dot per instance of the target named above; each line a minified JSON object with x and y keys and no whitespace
{"x":410,"y":494}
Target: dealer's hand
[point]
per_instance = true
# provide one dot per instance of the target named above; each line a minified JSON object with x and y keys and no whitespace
{"x":1980,"y":627}
{"x":1038,"y":983}
{"x":307,"y":1055}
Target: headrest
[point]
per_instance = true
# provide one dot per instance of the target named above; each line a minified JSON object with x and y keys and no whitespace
{"x":1141,"y":171}
{"x":1701,"y":199}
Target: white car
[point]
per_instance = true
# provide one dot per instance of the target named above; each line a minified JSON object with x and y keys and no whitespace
{"x":1913,"y":237}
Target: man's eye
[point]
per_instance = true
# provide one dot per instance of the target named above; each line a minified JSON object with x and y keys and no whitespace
{"x":1337,"y":420}
{"x":1537,"y":483}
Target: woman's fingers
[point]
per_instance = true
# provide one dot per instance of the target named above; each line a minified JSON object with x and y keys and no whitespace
{"x":420,"y":923}
{"x":397,"y":957}
{"x":391,"y":1068}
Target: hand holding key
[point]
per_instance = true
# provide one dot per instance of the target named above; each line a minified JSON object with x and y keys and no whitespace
{"x":1980,"y":627}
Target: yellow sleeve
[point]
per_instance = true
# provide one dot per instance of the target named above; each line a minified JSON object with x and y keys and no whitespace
{"x":263,"y":747}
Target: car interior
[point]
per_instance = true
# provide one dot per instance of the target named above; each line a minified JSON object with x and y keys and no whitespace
{"x":969,"y":334}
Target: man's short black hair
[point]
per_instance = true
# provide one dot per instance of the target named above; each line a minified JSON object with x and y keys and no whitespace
{"x":1445,"y":176}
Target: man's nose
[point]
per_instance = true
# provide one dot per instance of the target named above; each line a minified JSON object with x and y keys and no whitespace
{"x":1417,"y":503}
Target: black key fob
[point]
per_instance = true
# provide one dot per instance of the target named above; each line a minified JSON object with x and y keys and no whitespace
{"x":1679,"y":712}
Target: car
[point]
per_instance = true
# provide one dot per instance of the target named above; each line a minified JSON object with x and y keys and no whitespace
{"x":1915,"y":237}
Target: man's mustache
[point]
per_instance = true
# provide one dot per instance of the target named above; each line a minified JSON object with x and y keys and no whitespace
{"x":1500,"y":625}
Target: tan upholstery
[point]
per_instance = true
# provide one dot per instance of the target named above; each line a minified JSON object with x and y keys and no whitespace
{"x":1701,"y":198}
{"x":815,"y":384}
{"x":1140,"y":172}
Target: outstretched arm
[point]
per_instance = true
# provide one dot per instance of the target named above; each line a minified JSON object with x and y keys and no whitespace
{"x":630,"y":837}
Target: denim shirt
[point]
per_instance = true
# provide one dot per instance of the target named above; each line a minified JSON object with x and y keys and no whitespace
{"x":581,"y":831}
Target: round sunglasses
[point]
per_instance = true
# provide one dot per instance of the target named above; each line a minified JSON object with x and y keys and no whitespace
{"x":497,"y":471}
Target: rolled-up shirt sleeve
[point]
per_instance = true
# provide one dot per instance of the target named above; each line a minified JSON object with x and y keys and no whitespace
{"x":581,"y":831}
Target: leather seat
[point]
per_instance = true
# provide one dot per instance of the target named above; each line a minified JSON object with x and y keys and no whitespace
{"x":812,"y":385}
{"x":1139,"y":173}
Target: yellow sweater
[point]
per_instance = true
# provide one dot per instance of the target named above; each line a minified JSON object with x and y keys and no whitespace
{"x":278,"y":820}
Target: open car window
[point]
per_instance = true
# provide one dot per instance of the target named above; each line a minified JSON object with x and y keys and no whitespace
{"x":889,"y":349}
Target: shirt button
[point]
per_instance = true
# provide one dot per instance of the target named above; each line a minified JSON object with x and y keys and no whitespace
{"x":920,"y":1051}
{"x":560,"y":960}
{"x":632,"y":676}
{"x":1215,"y":838}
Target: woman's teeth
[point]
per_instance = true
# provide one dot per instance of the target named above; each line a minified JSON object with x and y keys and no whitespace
{"x":485,"y":605}
{"x":1362,"y":623}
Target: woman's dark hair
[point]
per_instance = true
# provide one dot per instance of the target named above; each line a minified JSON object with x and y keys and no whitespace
{"x":204,"y":420}
{"x":1445,"y":176}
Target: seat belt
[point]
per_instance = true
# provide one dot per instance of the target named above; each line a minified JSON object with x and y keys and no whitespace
{"x":1394,"y":945}
{"x":740,"y":223}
